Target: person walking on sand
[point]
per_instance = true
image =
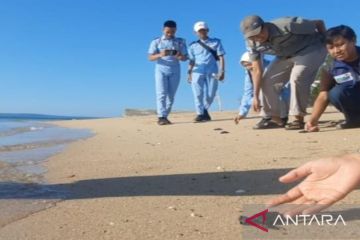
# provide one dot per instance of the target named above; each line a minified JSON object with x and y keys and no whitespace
{"x":298,"y":46}
{"x":167,"y":51}
{"x":206,"y":69}
{"x":248,"y":92}
{"x":339,"y":79}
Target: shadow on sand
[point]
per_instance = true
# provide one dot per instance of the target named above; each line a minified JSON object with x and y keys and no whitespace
{"x":254,"y":182}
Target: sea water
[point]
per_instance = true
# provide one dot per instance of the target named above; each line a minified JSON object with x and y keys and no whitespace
{"x":25,"y":144}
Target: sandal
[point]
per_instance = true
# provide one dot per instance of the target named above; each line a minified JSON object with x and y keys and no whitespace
{"x":295,"y":125}
{"x":266,"y":123}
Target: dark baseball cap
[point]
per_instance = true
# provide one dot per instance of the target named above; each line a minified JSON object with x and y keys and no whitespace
{"x":251,"y":25}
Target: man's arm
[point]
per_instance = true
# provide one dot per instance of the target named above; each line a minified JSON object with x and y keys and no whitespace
{"x":190,"y":69}
{"x":256,"y":75}
{"x":319,"y":107}
{"x":320,"y":26}
{"x":324,"y":182}
{"x":182,"y":55}
{"x":156,"y":56}
{"x":246,"y":99}
{"x":154,"y":53}
{"x":222,"y":67}
{"x":321,"y":102}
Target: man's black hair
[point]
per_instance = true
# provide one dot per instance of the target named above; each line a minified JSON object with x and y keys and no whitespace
{"x":339,"y":31}
{"x":170,"y":24}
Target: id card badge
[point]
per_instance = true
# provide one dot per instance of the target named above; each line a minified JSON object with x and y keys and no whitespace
{"x":343,"y":78}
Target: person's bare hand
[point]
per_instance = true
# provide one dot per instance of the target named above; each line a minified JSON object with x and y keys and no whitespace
{"x":256,"y":104}
{"x":238,"y":118}
{"x":179,"y":56}
{"x":221,"y":76}
{"x":163,"y":53}
{"x":326,"y":182}
{"x":189,"y":78}
{"x":310,"y":127}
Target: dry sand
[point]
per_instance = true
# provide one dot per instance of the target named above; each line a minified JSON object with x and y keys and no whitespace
{"x":137,"y":180}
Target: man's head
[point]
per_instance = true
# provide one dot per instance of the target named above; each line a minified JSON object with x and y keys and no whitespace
{"x":341,"y":43}
{"x":169,"y":29}
{"x":245,"y":61}
{"x":201,"y":29}
{"x":254,"y":28}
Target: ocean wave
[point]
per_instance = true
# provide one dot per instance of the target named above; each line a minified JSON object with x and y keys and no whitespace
{"x":19,"y":130}
{"x":33,"y":145}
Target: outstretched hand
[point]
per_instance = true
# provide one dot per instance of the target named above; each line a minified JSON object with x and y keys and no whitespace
{"x":326,"y":182}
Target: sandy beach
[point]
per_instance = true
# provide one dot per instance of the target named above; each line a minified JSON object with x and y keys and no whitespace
{"x":137,"y":180}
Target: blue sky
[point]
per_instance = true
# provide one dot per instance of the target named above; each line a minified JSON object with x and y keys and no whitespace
{"x":89,"y":57}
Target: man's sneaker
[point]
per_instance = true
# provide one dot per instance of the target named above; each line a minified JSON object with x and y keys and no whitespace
{"x":346,"y":125}
{"x":200,"y":118}
{"x":207,"y":115}
{"x":162,"y":121}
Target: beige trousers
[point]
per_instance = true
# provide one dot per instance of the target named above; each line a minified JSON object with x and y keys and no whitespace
{"x":301,"y":71}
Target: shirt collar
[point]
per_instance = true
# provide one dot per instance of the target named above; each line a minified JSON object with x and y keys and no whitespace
{"x":205,"y":41}
{"x":164,"y":38}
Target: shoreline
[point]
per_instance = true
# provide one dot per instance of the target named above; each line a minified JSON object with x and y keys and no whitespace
{"x":23,"y":152}
{"x":134,"y":180}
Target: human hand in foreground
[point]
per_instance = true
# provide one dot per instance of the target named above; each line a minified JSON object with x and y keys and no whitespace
{"x":326,"y":181}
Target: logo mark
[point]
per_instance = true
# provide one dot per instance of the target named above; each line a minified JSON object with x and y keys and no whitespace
{"x":262,"y":214}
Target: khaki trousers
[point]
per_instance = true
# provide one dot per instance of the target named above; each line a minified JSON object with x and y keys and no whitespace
{"x":300,"y":70}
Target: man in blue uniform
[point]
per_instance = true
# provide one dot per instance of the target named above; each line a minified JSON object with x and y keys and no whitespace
{"x":339,"y":79}
{"x":248,"y":92}
{"x":206,"y":68}
{"x":167,"y":51}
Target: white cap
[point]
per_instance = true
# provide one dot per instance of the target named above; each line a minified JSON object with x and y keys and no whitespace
{"x":200,"y":25}
{"x":245,"y":57}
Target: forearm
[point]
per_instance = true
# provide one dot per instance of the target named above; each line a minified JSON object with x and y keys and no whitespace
{"x":245,"y":106}
{"x":319,"y":107}
{"x":256,"y":78}
{"x":154,"y":57}
{"x":222,"y":64}
{"x":191,"y":66}
{"x":247,"y":97}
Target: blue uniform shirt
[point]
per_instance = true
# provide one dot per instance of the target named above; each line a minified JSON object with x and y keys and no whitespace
{"x":162,"y":43}
{"x":205,"y":62}
{"x":340,"y":71}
